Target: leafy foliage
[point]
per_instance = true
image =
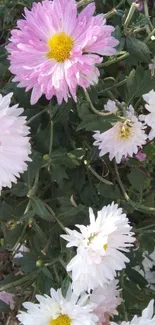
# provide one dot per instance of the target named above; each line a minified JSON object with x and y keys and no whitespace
{"x":66,"y":175}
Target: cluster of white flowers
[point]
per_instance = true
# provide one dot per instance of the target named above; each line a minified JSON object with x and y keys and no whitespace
{"x":128,"y":135}
{"x":93,"y":296}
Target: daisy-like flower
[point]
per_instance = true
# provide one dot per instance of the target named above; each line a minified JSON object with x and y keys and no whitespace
{"x":149,"y":119}
{"x":55,"y":49}
{"x":59,"y":310}
{"x":124,"y":139}
{"x":147,"y":317}
{"x":14,"y":143}
{"x":99,"y":248}
{"x":107,"y":299}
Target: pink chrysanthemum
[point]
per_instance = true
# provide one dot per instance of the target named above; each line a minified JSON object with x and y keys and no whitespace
{"x":55,"y":49}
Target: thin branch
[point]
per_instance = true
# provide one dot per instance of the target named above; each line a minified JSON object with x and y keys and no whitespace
{"x":93,"y":108}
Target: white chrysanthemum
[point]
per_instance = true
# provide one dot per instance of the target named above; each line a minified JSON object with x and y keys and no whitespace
{"x":111,"y":106}
{"x":14,"y":143}
{"x":99,"y":247}
{"x":149,"y":119}
{"x":147,"y":317}
{"x":122,"y":140}
{"x":107,"y":299}
{"x":57,"y":310}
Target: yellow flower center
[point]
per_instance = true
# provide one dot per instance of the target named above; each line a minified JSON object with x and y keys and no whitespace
{"x":60,"y":320}
{"x":105,"y":246}
{"x":60,"y":46}
{"x":125,"y":131}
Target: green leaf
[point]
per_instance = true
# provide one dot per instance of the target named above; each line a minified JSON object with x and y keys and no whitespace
{"x":137,"y":48}
{"x":6,"y":211}
{"x":37,"y":162}
{"x":40,"y":209}
{"x":27,"y":262}
{"x":110,"y":192}
{"x":136,"y":277}
{"x":137,"y":179}
{"x":20,"y":189}
{"x":4,"y":308}
{"x":92,"y":122}
{"x":58,"y":174}
{"x":139,"y":82}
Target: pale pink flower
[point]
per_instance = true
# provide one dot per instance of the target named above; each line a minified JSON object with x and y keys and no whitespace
{"x":8,"y":298}
{"x":54,"y":49}
{"x":123,"y":139}
{"x":140,"y":156}
{"x":107,"y":299}
{"x":14,"y":143}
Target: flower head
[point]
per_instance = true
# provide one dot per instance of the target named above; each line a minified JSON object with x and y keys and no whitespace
{"x":14,"y":143}
{"x":99,"y":248}
{"x":147,"y":317}
{"x":123,"y":140}
{"x":149,"y":119}
{"x":58,"y":310}
{"x":55,"y":49}
{"x":140,"y":4}
{"x":107,"y":299}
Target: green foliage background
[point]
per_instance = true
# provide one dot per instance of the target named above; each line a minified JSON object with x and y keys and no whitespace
{"x":67,"y":176}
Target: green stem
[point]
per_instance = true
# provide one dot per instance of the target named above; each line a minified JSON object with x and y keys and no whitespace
{"x":114,"y":60}
{"x":133,"y":7}
{"x":54,"y":216}
{"x":18,"y":282}
{"x":33,"y":190}
{"x":118,"y":84}
{"x":110,"y":13}
{"x":7,"y":28}
{"x":83,"y":3}
{"x":93,"y":108}
{"x":139,"y":30}
{"x":120,"y":4}
{"x":149,"y":36}
{"x":123,"y":304}
{"x":149,"y":26}
{"x":35,"y":116}
{"x":51,"y":139}
{"x":100,"y":178}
